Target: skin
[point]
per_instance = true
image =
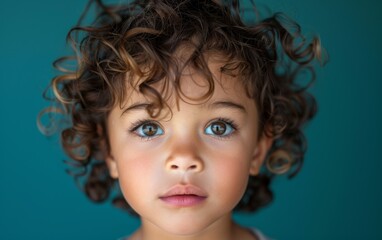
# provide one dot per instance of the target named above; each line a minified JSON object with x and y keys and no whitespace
{"x":184,"y":151}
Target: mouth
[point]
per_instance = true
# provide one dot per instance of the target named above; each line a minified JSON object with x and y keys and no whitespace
{"x":184,"y":196}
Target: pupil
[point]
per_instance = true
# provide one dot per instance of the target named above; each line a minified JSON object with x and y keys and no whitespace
{"x":149,"y":129}
{"x":219,"y":128}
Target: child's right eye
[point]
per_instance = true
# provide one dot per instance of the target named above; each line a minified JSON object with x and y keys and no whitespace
{"x":147,"y":129}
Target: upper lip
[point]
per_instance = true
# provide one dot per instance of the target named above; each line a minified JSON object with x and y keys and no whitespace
{"x":184,"y":190}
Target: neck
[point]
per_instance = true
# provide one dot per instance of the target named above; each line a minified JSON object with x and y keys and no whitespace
{"x":222,"y":229}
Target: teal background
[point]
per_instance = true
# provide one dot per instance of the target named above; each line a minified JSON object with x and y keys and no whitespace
{"x":337,"y":195}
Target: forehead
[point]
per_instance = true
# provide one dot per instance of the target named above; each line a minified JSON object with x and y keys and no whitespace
{"x":192,"y":86}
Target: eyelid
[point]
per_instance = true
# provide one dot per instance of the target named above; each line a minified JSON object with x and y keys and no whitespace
{"x":140,"y":122}
{"x":137,"y":124}
{"x":227,"y":121}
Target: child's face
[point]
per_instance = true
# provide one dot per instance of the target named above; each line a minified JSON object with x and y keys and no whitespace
{"x":205,"y":152}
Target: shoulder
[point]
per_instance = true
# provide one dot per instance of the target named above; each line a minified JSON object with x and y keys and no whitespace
{"x":259,"y":234}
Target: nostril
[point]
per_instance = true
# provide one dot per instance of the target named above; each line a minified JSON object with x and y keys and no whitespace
{"x":176,"y":166}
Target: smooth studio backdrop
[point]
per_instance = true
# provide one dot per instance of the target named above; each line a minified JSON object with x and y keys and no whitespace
{"x":337,"y":195}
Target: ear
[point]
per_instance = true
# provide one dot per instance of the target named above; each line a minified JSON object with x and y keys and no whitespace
{"x":259,"y":154}
{"x":109,"y":159}
{"x":112,"y":166}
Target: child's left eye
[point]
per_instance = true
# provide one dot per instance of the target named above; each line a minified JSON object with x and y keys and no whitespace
{"x":220,"y":128}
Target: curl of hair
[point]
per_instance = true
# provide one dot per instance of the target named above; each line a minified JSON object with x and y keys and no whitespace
{"x":140,"y":40}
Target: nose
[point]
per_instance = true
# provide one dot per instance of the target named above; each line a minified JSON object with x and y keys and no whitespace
{"x":184,"y":164}
{"x":184,"y":159}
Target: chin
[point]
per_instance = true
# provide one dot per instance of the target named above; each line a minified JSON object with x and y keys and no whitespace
{"x":184,"y":232}
{"x":185,"y":228}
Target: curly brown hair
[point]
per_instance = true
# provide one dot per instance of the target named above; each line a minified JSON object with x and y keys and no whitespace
{"x":140,"y":40}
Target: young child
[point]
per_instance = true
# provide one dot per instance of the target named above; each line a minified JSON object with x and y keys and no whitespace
{"x":189,"y":109}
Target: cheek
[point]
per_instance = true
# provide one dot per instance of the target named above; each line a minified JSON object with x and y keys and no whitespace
{"x":232,"y":173}
{"x":133,"y":158}
{"x":134,"y":169}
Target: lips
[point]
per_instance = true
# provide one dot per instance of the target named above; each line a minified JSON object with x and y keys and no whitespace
{"x":184,"y":196}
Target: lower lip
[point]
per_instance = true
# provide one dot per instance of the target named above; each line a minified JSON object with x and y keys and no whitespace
{"x":183,"y":200}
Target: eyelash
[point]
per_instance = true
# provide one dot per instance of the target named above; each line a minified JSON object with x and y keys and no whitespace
{"x":141,"y":122}
{"x":231,"y":123}
{"x":138,"y":124}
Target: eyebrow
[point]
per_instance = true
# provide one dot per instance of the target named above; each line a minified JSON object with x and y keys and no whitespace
{"x":135,"y":107}
{"x":218,"y":104}
{"x":225,"y":104}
